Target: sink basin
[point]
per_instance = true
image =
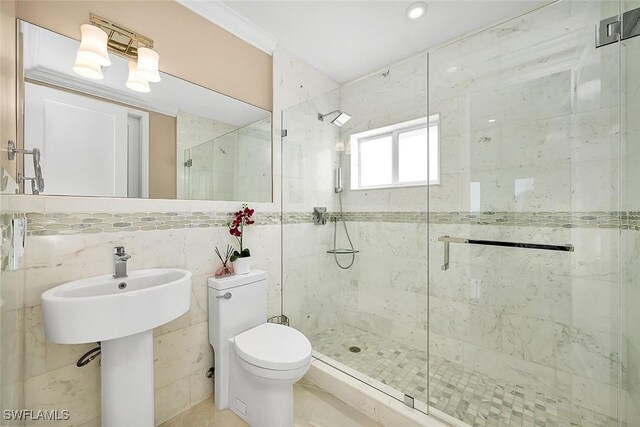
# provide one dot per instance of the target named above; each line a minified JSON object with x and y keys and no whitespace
{"x":121,"y":314}
{"x":103,"y":308}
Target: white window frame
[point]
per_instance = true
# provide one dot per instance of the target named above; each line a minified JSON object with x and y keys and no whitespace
{"x":394,"y":131}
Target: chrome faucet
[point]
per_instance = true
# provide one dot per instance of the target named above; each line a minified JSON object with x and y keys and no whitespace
{"x":120,"y":258}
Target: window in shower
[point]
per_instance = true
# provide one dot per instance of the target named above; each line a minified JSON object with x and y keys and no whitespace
{"x":405,"y":154}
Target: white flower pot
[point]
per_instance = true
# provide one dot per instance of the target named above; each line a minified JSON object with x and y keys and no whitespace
{"x":242,"y":265}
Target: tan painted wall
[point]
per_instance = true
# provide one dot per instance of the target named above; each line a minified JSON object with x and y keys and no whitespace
{"x":190,"y":47}
{"x":162,"y":156}
{"x":7,"y":80}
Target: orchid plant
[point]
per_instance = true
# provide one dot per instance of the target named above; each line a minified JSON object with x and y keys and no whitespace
{"x":236,"y":229}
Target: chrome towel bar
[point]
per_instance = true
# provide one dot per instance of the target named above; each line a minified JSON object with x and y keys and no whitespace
{"x":447,"y":240}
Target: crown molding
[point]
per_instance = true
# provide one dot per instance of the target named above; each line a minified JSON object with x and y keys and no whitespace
{"x":225,"y":17}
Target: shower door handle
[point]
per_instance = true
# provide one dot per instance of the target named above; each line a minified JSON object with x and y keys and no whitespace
{"x":447,"y":240}
{"x":445,"y":264}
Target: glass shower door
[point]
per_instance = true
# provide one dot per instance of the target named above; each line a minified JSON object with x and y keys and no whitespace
{"x":368,"y":319}
{"x":529,"y":114}
{"x":199,"y":171}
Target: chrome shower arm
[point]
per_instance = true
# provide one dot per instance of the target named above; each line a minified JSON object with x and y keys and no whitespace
{"x":322,"y":116}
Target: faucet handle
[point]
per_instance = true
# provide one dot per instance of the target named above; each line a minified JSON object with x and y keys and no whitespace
{"x":119,"y":251}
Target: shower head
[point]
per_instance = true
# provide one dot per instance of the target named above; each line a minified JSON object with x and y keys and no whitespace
{"x":339,"y":120}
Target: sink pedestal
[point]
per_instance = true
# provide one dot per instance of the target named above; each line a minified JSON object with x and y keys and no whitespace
{"x":127,"y":381}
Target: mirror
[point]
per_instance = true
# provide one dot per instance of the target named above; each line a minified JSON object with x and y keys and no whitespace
{"x":100,"y":138}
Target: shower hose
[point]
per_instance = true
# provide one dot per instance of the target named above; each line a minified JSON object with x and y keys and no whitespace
{"x":335,"y":234}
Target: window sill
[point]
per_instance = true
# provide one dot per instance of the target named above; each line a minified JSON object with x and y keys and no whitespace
{"x":391,"y":187}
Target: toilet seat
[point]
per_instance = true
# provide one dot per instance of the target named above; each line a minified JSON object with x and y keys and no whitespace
{"x":274,"y":347}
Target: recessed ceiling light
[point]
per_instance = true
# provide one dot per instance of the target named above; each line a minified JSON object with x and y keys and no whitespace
{"x":416,"y":10}
{"x":492,"y":120}
{"x":452,"y":69}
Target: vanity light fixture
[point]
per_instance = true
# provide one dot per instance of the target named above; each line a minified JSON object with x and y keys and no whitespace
{"x":416,"y":10}
{"x":101,"y":36}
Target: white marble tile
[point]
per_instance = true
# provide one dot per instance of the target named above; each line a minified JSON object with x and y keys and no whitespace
{"x":12,"y":354}
{"x":529,"y":338}
{"x":77,"y":390}
{"x":200,"y":387}
{"x":601,"y":397}
{"x":509,"y":368}
{"x":171,"y":400}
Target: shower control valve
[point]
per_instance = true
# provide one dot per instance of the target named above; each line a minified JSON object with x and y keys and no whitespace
{"x":320,"y":216}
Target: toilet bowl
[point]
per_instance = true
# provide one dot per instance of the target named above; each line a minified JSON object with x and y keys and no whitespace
{"x":256,"y":363}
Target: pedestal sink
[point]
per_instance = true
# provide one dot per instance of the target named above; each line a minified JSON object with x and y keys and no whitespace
{"x":121,"y":314}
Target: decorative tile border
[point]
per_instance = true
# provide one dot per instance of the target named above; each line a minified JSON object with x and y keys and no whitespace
{"x":623,"y":220}
{"x":91,"y":223}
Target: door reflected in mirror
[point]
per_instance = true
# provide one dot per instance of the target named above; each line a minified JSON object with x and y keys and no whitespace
{"x":100,"y":138}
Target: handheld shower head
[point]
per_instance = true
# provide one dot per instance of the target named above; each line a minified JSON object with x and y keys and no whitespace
{"x":339,"y":120}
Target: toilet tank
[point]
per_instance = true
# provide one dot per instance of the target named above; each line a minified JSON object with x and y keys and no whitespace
{"x":245,"y":308}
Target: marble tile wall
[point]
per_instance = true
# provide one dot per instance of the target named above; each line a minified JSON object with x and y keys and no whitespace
{"x":252,"y":181}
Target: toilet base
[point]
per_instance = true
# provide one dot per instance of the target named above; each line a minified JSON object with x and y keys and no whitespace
{"x":260,"y":403}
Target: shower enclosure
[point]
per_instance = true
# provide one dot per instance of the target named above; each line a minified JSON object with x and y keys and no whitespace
{"x":497,"y":278}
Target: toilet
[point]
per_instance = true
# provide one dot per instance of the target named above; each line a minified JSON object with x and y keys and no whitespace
{"x":256,"y":363}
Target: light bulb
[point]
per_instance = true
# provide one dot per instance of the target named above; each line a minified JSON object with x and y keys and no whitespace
{"x":93,"y":47}
{"x":148,"y":65}
{"x":87,"y":69}
{"x":416,"y":10}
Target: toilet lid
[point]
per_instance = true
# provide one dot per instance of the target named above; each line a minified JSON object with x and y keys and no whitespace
{"x":272,"y":346}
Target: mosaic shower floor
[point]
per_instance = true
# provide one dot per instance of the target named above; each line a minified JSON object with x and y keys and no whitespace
{"x":471,"y":396}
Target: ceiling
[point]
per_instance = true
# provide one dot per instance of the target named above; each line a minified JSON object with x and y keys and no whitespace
{"x":348,"y":39}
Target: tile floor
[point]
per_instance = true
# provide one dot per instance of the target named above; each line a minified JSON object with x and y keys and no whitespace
{"x":313,"y":408}
{"x":473,"y":397}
